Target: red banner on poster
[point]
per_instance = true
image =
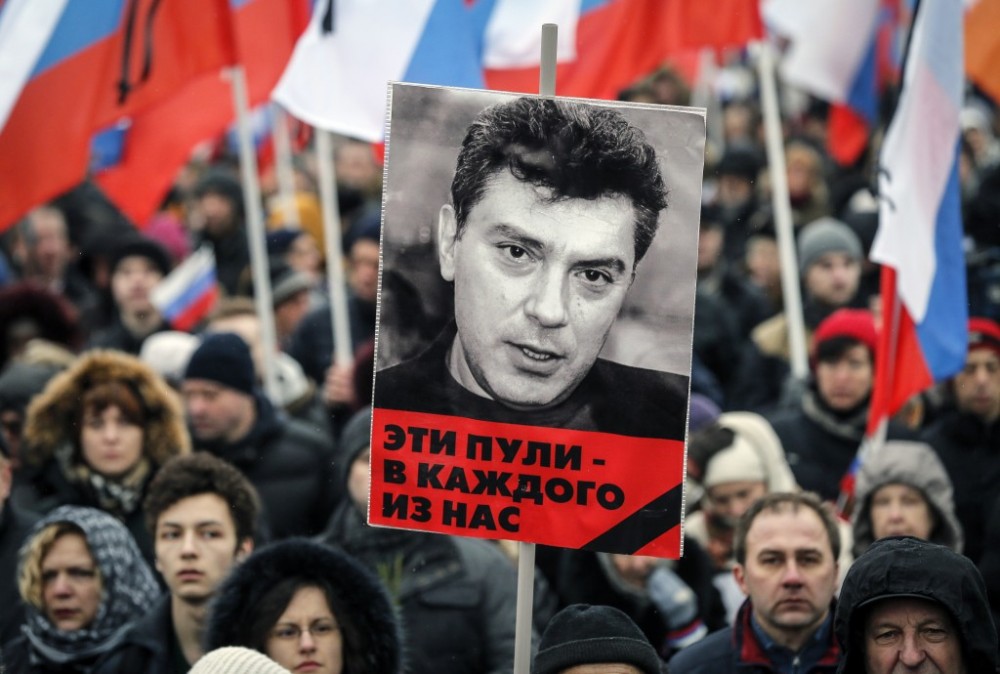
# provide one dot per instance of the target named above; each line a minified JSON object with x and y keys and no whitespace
{"x":573,"y":489}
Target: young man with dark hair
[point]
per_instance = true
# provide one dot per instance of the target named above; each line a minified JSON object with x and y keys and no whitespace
{"x":553,"y":206}
{"x":786,"y":547}
{"x":202,"y":513}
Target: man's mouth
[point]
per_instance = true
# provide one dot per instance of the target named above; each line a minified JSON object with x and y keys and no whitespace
{"x":189,"y":574}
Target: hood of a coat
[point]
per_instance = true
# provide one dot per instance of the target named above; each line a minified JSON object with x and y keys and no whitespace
{"x":916,"y":465}
{"x":909,"y":567}
{"x":51,"y":416}
{"x":372,"y":612}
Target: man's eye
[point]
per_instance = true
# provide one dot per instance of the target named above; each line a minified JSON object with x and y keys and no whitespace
{"x":515,"y":252}
{"x":596,"y":277}
{"x":885,"y":636}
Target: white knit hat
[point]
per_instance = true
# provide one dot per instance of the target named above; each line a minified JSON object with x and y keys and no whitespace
{"x":236,"y":660}
{"x":756,"y":454}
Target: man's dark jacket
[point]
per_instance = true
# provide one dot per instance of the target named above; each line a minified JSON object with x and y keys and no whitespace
{"x":737,"y":649}
{"x":146,"y":647}
{"x":290,"y":464}
{"x":15,"y":526}
{"x":612,"y":398}
{"x":969,"y":448}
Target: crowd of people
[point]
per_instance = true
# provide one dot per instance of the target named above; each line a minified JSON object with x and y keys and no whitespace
{"x":160,"y":511}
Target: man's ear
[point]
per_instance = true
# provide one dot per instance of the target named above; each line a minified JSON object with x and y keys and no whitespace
{"x":447,"y":237}
{"x":739,"y":573}
{"x":244,"y":549}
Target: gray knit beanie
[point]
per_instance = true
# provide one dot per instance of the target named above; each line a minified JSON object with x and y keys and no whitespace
{"x":826,"y":235}
{"x":236,"y":660}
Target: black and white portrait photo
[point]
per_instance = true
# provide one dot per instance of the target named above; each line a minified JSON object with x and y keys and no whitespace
{"x":539,"y":260}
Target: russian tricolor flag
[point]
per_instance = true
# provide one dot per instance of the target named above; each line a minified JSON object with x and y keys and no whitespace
{"x":832,"y":54}
{"x":188,"y":293}
{"x":920,"y":230}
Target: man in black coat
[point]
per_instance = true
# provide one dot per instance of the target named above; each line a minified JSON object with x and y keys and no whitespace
{"x":288,"y":462}
{"x":910,"y":605}
{"x":967,"y":435}
{"x":203,"y":514}
{"x":786,"y":547}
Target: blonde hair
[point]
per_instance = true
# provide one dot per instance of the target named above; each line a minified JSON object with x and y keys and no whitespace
{"x":29,"y":582}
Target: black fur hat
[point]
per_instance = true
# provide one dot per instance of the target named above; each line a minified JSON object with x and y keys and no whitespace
{"x":371,"y":611}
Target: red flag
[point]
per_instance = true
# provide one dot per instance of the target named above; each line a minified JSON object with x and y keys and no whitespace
{"x":623,"y":40}
{"x":102,"y":60}
{"x":160,"y":140}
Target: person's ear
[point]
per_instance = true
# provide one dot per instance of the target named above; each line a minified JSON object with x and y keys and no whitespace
{"x":739,"y":573}
{"x":447,"y":238}
{"x":244,"y":549}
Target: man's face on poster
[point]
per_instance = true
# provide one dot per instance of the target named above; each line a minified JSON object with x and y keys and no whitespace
{"x":538,"y":285}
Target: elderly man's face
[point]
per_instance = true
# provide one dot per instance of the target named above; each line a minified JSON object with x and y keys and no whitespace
{"x":538,"y":285}
{"x":911,"y":635}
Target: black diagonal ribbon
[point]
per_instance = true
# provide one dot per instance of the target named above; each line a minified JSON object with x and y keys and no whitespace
{"x":643,"y":526}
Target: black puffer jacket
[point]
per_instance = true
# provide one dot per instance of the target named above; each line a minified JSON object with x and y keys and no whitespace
{"x":910,"y":567}
{"x":372,"y":615}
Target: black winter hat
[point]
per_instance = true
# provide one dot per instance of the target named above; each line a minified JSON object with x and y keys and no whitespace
{"x":582,"y":634}
{"x":223,"y":357}
{"x":225,"y":184}
{"x":137,"y":245}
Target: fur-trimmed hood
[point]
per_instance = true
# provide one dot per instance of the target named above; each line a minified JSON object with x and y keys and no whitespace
{"x":51,"y":418}
{"x":372,"y":612}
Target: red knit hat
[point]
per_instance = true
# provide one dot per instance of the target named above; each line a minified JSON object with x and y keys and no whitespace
{"x":857,"y":324}
{"x":984,"y":334}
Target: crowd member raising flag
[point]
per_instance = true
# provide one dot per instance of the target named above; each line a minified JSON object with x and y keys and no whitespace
{"x":186,"y":296}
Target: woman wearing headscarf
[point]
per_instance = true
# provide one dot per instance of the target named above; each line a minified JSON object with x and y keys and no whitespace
{"x":309,"y":608}
{"x":98,"y":433}
{"x":83,"y":582}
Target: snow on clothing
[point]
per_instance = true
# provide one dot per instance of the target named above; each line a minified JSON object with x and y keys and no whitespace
{"x":904,"y":566}
{"x":372,"y":615}
{"x":58,"y":473}
{"x":913,"y":464}
{"x":129,"y":590}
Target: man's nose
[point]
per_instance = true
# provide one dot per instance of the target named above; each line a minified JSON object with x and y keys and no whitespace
{"x":911,"y":653}
{"x":188,"y":548}
{"x":793,"y":575}
{"x":548,"y":299}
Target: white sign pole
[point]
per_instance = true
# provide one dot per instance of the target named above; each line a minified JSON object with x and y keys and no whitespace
{"x":255,"y":230}
{"x":782,"y":211}
{"x":526,"y":551}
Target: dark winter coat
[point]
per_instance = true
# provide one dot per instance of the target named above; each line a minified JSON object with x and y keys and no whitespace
{"x":14,"y":529}
{"x":372,"y":617}
{"x":737,"y":649}
{"x":821,"y":443}
{"x":290,"y":464}
{"x":145,"y":647}
{"x":457,"y":595}
{"x":970,"y":452}
{"x":118,"y":337}
{"x":911,"y":567}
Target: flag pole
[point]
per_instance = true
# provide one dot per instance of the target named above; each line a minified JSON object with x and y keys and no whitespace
{"x":255,"y":229}
{"x":283,"y":167}
{"x":342,"y":351}
{"x":782,"y":211}
{"x":526,"y":551}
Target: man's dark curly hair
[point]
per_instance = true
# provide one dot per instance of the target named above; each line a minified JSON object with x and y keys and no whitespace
{"x":578,"y":151}
{"x":203,"y":473}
